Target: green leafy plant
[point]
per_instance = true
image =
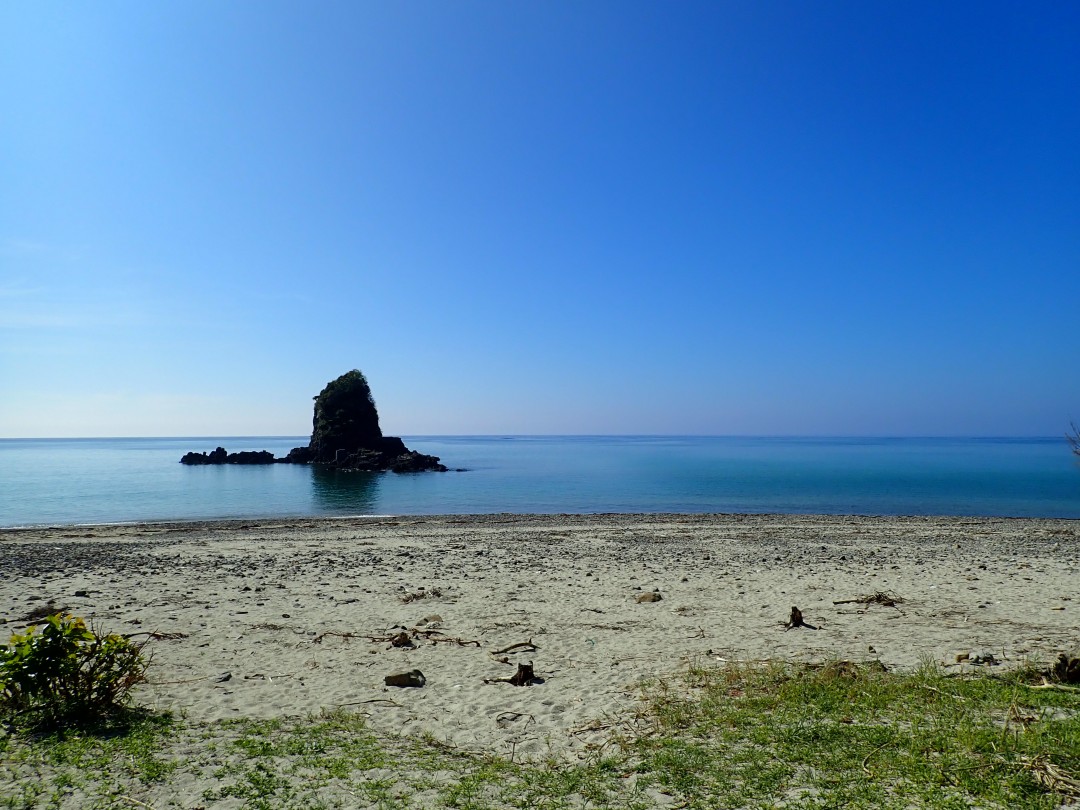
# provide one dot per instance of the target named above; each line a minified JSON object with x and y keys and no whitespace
{"x":64,"y":673}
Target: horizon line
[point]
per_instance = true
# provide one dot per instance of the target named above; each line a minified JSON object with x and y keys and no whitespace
{"x":1063,"y":436}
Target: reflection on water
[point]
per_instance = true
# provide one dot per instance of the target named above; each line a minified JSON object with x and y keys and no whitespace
{"x":345,"y":492}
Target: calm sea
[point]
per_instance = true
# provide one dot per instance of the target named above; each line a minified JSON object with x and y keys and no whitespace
{"x":66,"y":481}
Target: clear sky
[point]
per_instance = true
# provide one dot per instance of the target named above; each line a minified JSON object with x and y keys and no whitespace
{"x":757,"y":217}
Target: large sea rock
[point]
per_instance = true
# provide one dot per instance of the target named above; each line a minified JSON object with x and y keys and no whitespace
{"x":345,"y":436}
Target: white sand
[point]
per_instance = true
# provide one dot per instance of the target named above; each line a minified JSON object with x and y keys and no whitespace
{"x":254,"y":600}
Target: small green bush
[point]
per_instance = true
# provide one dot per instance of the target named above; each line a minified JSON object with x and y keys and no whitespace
{"x":63,"y":673}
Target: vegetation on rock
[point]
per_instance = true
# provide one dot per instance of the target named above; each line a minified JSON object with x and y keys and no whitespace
{"x":345,"y":418}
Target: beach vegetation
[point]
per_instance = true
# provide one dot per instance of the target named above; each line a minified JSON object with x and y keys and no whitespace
{"x":63,"y":673}
{"x":845,"y":734}
{"x":1072,"y":435}
{"x":86,"y":767}
{"x":729,"y":736}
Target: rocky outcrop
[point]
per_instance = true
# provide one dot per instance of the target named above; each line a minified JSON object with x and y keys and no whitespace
{"x":345,"y":433}
{"x":367,"y":460}
{"x":345,"y":419}
{"x":345,"y":436}
{"x":214,"y":457}
{"x":219,"y":456}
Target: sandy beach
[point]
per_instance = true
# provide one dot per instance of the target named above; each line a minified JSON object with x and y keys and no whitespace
{"x":286,"y":618}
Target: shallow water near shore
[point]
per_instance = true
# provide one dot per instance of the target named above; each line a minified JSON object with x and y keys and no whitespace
{"x":68,"y":481}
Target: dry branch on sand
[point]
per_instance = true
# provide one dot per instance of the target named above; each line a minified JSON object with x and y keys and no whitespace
{"x":521,"y":646}
{"x":883,"y":598}
{"x":402,"y":639}
{"x":422,"y":593}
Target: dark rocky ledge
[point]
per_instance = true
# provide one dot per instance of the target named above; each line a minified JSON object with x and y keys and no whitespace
{"x":362,"y":459}
{"x":345,"y":436}
{"x":219,"y":456}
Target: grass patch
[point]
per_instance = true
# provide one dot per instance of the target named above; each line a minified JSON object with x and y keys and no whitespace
{"x":735,"y":737}
{"x":82,"y":767}
{"x":844,"y":735}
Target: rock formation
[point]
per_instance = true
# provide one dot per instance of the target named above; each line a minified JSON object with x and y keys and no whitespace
{"x":219,"y":456}
{"x":345,"y":419}
{"x":345,"y":435}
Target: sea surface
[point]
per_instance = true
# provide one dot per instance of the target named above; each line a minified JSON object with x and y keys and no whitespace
{"x":86,"y":481}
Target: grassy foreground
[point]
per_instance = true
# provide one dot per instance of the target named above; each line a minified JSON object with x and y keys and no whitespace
{"x":769,"y":735}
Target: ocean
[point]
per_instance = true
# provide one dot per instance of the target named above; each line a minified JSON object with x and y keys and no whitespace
{"x":87,"y":481}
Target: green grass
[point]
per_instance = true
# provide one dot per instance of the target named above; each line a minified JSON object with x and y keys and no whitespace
{"x":737,"y":736}
{"x":841,"y":735}
{"x":41,"y":769}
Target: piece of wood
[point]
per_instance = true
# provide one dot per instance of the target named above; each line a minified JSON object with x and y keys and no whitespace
{"x":525,"y":676}
{"x":522,"y":646}
{"x":796,"y":620}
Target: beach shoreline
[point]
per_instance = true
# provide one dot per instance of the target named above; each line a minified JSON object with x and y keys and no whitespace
{"x":276,"y":618}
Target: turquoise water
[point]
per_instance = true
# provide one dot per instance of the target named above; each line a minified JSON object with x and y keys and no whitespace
{"x":64,"y":481}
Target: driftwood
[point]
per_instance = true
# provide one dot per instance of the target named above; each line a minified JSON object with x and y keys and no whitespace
{"x":879,"y":598}
{"x":403,"y":639}
{"x":590,"y":727}
{"x":423,"y":593}
{"x":318,"y":639}
{"x":504,"y":719}
{"x":387,"y":701}
{"x":258,"y":676}
{"x":525,"y":676}
{"x":154,"y":634}
{"x":796,"y":620}
{"x":437,"y":637}
{"x":1054,"y":686}
{"x":521,"y":646}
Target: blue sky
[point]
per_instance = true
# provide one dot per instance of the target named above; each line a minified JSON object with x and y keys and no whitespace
{"x":757,"y":217}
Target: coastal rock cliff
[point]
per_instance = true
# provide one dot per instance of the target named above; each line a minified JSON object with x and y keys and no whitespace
{"x":345,"y":436}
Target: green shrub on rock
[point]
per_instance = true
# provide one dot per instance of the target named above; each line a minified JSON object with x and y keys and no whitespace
{"x":64,"y":673}
{"x":345,"y":417}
